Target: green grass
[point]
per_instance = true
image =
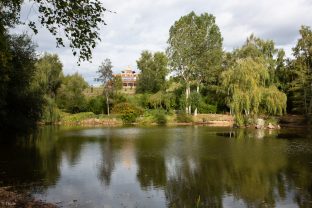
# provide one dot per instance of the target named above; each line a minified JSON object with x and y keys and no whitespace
{"x":67,"y":117}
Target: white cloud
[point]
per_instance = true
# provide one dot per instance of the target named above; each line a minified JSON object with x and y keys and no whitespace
{"x":144,"y":24}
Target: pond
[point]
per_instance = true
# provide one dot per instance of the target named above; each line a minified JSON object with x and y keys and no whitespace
{"x":193,"y":166}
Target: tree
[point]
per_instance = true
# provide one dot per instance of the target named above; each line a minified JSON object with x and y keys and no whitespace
{"x":195,"y":50}
{"x":248,"y":93}
{"x":153,"y":74}
{"x":255,"y":48}
{"x":49,"y":73}
{"x":301,"y":73}
{"x":106,"y":76}
{"x":117,"y":83}
{"x":78,"y":20}
{"x":48,"y":78}
{"x":20,"y":103}
{"x":70,"y":95}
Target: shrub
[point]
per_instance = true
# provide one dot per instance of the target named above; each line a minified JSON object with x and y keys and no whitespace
{"x":97,"y":105}
{"x":184,"y":118}
{"x":51,"y":113}
{"x":128,"y":112}
{"x":160,"y":118}
{"x":207,"y":108}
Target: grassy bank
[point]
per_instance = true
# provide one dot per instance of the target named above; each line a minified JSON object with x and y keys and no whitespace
{"x":89,"y":119}
{"x":148,"y":118}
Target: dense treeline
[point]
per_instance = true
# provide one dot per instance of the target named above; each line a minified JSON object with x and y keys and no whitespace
{"x":27,"y":85}
{"x":251,"y":81}
{"x":194,"y":75}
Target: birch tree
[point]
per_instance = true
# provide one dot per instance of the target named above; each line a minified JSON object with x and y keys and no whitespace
{"x":195,"y":47}
{"x":106,"y":76}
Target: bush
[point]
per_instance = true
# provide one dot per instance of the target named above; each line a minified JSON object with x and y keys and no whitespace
{"x":51,"y":113}
{"x":128,"y":112}
{"x":207,"y":108}
{"x":97,"y":105}
{"x":184,"y":118}
{"x":160,"y":118}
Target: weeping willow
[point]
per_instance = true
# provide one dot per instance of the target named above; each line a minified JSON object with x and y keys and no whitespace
{"x":162,"y":100}
{"x":247,"y":91}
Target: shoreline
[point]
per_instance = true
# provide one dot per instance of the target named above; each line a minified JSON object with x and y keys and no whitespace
{"x":20,"y":200}
{"x":215,"y":120}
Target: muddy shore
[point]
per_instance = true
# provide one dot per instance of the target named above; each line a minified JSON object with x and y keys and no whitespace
{"x":10,"y":199}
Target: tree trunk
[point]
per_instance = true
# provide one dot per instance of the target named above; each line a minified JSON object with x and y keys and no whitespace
{"x":189,"y":107}
{"x":107,"y":103}
{"x":187,"y":95}
{"x":197,"y":90}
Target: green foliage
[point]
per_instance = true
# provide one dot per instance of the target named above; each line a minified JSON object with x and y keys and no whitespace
{"x":128,"y":112}
{"x":119,"y":98}
{"x":117,"y":83}
{"x":48,"y":78}
{"x":194,"y":99}
{"x":247,"y":92}
{"x":195,"y":51}
{"x":272,"y":120}
{"x":49,"y":74}
{"x":67,"y":117}
{"x":21,"y":104}
{"x":96,"y":105}
{"x":143,"y":100}
{"x":79,"y":20}
{"x":153,"y":69}
{"x":206,"y":108}
{"x":195,"y":44}
{"x":51,"y":112}
{"x":106,"y":77}
{"x":301,"y":73}
{"x":165,"y":100}
{"x":105,"y":72}
{"x":256,"y":48}
{"x":70,"y":95}
{"x":160,"y":118}
{"x":182,"y":117}
{"x":9,"y":13}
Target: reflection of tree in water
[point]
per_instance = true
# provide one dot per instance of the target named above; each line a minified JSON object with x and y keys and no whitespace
{"x":32,"y":162}
{"x":150,"y":154}
{"x":243,"y":167}
{"x":299,"y":172}
{"x":196,"y":175}
{"x":107,"y":164}
{"x":254,"y":170}
{"x":110,"y":146}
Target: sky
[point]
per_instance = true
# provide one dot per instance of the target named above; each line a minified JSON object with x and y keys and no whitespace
{"x":141,"y":25}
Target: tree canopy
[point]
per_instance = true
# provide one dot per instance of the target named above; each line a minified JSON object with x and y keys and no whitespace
{"x":79,"y":21}
{"x":247,"y":93}
{"x":195,"y":50}
{"x":19,"y":100}
{"x":300,"y":69}
{"x":154,"y":69}
{"x":106,"y":77}
{"x":70,"y":95}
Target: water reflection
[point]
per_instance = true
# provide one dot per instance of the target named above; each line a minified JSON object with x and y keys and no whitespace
{"x":161,"y":167}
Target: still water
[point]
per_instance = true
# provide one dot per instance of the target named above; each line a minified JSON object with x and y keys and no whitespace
{"x":162,"y":167}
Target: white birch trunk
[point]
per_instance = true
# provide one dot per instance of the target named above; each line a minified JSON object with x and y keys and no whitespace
{"x":107,"y":103}
{"x":187,"y":95}
{"x":197,"y":90}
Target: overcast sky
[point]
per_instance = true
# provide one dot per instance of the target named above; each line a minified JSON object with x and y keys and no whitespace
{"x":144,"y":25}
